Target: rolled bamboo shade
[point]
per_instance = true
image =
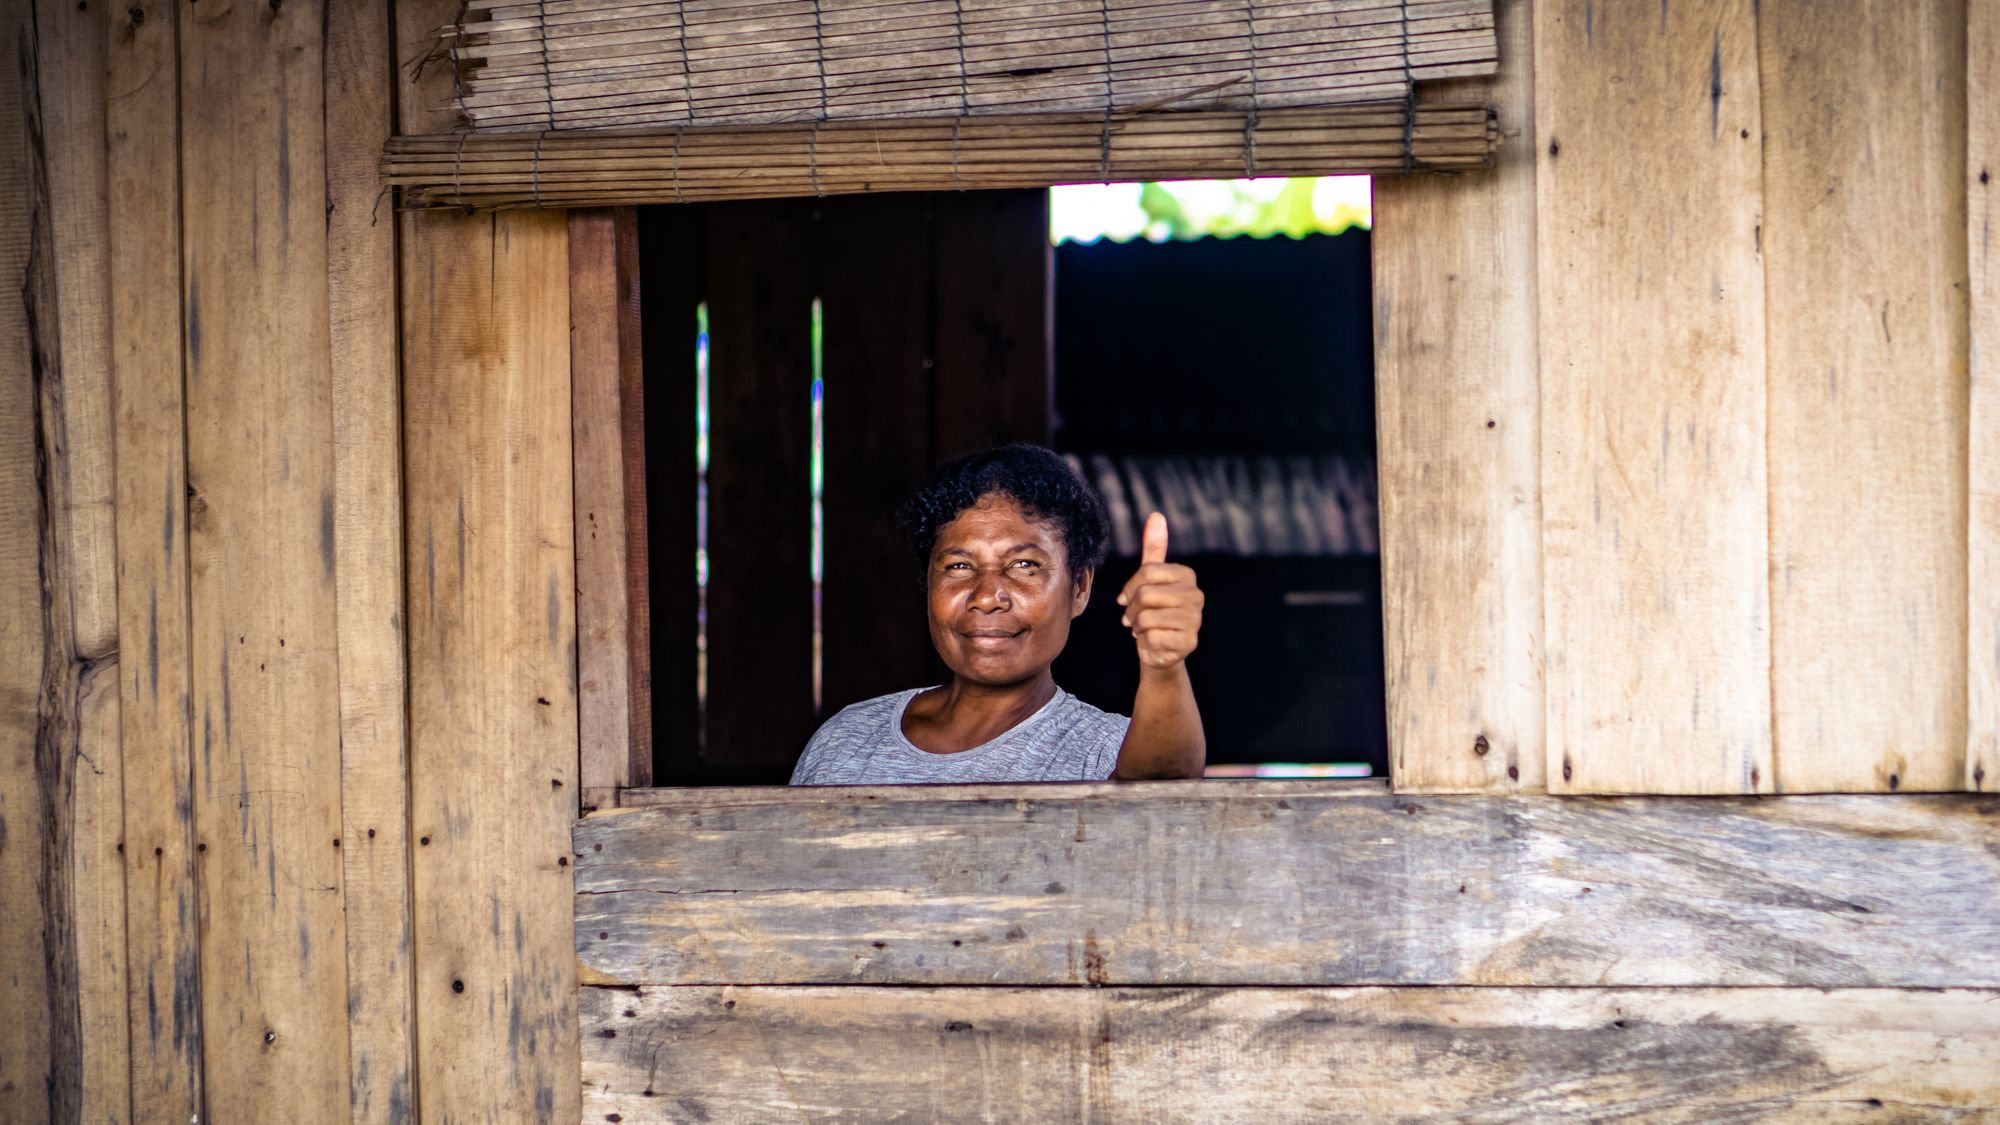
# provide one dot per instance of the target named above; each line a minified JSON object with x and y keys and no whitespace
{"x":593,"y":64}
{"x":598,"y":168}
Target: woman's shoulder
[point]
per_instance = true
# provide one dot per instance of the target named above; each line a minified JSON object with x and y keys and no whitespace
{"x":866,"y":713}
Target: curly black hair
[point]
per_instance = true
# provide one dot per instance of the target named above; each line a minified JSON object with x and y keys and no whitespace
{"x":1037,"y":479}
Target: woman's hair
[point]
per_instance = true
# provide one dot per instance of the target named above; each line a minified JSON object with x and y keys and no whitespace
{"x":1037,"y":479}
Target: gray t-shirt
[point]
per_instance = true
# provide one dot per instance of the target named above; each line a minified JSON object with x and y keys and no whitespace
{"x":1067,"y":740}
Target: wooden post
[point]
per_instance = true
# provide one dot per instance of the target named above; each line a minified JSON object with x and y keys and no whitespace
{"x":1652,"y":393}
{"x":1458,"y":418}
{"x":1982,"y":232}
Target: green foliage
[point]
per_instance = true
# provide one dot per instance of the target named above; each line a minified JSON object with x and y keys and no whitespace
{"x":1291,"y":211}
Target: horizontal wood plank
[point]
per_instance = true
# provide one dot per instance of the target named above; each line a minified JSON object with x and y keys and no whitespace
{"x":1264,"y":1055}
{"x":1289,"y":884}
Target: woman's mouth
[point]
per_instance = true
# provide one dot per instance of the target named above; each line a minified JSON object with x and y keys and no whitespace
{"x":991,"y":638}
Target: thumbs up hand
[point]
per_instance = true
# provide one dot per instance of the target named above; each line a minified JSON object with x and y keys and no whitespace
{"x":1162,"y":603}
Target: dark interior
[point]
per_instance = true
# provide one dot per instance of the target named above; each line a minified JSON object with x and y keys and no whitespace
{"x":950,"y":325}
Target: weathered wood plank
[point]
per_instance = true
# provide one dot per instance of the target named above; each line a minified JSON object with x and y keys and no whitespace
{"x":992,"y":316}
{"x":70,"y":49}
{"x":1459,"y":422}
{"x":638,"y":545}
{"x":97,"y":882}
{"x":604,"y":669}
{"x":1143,"y":1055}
{"x":1863,"y":117}
{"x":1982,"y":232}
{"x":368,"y":565}
{"x":27,"y":1039}
{"x":875,"y":281}
{"x":760,"y":608}
{"x":1652,"y":339}
{"x":260,"y":540}
{"x":142,"y":131}
{"x":1041,"y":885}
{"x":492,"y":628}
{"x":493,"y":750}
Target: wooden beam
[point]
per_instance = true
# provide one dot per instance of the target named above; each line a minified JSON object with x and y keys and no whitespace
{"x":1652,"y":326}
{"x":142,"y":128}
{"x":1285,"y":883}
{"x":1982,"y":233}
{"x":760,"y":599}
{"x":604,"y":671}
{"x":1868,"y":404}
{"x":70,"y":49}
{"x":670,"y":241}
{"x":261,"y":539}
{"x":492,"y":633}
{"x":1459,"y":422}
{"x":875,"y":280}
{"x":97,"y":882}
{"x":28,"y":1041}
{"x":1320,"y":1054}
{"x":368,"y":565}
{"x":993,"y":312}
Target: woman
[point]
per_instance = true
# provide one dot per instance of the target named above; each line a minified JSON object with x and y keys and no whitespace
{"x":1011,"y":540}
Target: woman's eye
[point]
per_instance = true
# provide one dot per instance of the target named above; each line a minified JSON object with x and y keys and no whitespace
{"x":1026,"y":563}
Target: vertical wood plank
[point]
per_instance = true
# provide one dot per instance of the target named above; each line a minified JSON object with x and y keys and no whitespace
{"x":638,"y":550}
{"x":875,"y":287}
{"x":70,"y":45}
{"x":26,"y":1039}
{"x":1863,"y":119}
{"x":260,"y":541}
{"x":142,"y":131}
{"x":492,"y":634}
{"x":670,"y":245}
{"x":97,"y":881}
{"x":368,"y":565}
{"x":1457,"y":403}
{"x":604,"y":672}
{"x":493,"y":747}
{"x":994,"y":320}
{"x":1982,"y":230}
{"x":1652,"y":385}
{"x":760,"y":291}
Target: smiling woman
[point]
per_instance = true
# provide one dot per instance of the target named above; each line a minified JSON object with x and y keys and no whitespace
{"x":1011,"y":541}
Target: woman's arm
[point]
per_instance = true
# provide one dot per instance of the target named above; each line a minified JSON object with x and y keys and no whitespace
{"x":1163,"y":610}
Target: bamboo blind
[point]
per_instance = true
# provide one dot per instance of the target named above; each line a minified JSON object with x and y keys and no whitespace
{"x":574,"y":64}
{"x":599,"y":168}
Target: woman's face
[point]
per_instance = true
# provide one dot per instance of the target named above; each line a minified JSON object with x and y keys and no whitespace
{"x":1001,"y":595}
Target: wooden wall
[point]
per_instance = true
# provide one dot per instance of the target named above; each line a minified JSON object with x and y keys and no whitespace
{"x":283,"y":836}
{"x":1688,"y":473}
{"x":1691,"y":485}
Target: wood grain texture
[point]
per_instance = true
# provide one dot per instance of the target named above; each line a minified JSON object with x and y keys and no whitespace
{"x":492,"y":629}
{"x":604,"y":669}
{"x":1652,"y":389}
{"x":368,"y":566}
{"x":27,"y":1039}
{"x":638,"y":545}
{"x":493,"y":735}
{"x":261,"y":546}
{"x":876,"y":284}
{"x":1982,"y":232}
{"x":1863,"y":118}
{"x":1240,"y":883}
{"x":70,"y":51}
{"x":993,"y":313}
{"x":97,"y":881}
{"x":1458,"y":414}
{"x":1144,"y":1055}
{"x":142,"y":131}
{"x":760,"y":609}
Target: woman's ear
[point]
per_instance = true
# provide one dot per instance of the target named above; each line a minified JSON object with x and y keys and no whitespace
{"x":1080,"y":595}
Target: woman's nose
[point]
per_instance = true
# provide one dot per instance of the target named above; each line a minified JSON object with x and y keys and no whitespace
{"x":990,"y":594}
